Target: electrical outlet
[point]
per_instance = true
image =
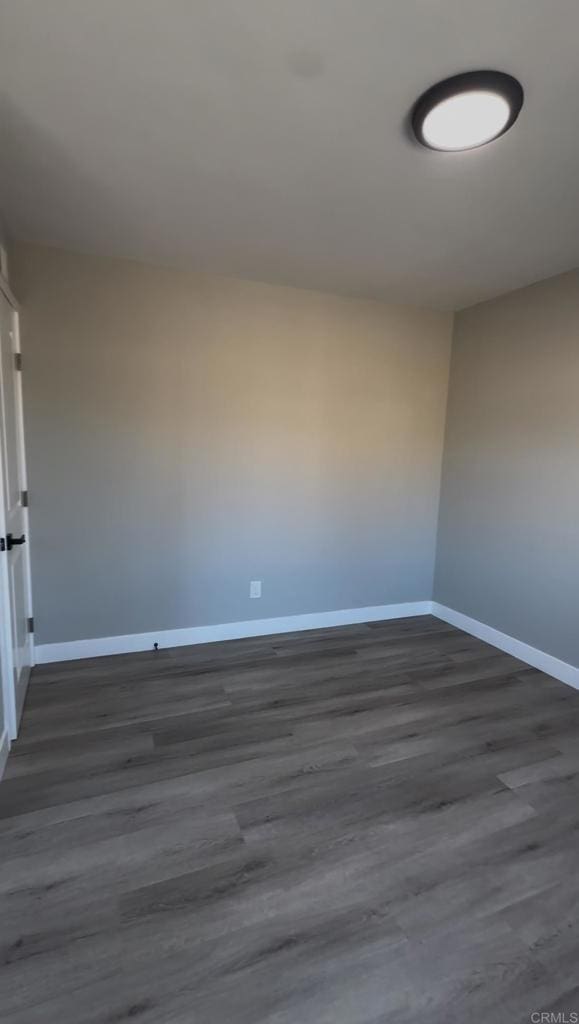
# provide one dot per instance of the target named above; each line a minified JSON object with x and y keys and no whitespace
{"x":255,"y":588}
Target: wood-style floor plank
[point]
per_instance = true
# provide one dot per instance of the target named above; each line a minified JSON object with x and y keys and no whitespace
{"x":377,"y":823}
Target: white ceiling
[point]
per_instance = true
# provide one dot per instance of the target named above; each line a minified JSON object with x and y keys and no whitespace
{"x":266,"y":139}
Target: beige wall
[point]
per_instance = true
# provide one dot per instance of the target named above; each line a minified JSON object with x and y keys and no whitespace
{"x":508,"y":552}
{"x":189,"y":433}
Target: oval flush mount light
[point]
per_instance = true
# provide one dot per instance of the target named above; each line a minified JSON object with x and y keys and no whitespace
{"x":467,"y":111}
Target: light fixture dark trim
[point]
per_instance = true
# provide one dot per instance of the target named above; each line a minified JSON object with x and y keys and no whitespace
{"x":491,"y":81}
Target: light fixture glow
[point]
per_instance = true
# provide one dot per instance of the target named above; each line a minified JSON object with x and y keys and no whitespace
{"x":465,"y":121}
{"x":467,"y":111}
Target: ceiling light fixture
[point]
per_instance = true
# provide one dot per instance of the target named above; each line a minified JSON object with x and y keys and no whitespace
{"x":467,"y":111}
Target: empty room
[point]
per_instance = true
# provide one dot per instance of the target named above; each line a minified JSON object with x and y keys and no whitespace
{"x":289,"y":512}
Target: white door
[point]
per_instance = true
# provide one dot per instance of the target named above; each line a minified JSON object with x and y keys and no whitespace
{"x":16,"y":642}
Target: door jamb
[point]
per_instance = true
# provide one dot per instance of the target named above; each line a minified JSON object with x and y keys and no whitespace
{"x":11,"y":711}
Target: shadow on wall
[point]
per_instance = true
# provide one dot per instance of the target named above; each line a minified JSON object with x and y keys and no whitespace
{"x":26,"y":144}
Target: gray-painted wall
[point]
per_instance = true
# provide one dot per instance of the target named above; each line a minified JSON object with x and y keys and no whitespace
{"x":187,"y":434}
{"x":508,"y":550}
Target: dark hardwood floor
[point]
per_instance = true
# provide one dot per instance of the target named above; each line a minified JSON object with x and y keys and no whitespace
{"x":378,"y":823}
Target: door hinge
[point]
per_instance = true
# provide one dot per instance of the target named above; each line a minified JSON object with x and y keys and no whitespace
{"x":24,"y":499}
{"x":30,"y":625}
{"x":18,"y":360}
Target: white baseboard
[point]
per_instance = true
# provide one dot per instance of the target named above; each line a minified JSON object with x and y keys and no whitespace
{"x":524,"y":652}
{"x":102,"y":646}
{"x":4,"y":751}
